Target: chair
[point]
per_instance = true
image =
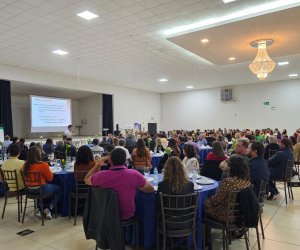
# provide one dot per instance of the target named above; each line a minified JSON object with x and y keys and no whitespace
{"x":297,"y":166}
{"x":233,"y":210}
{"x":178,"y":217}
{"x":288,"y":173}
{"x":97,"y":152}
{"x":261,"y":195}
{"x":81,"y":192}
{"x":211,"y":169}
{"x":10,"y":180}
{"x":271,"y":152}
{"x":33,"y":182}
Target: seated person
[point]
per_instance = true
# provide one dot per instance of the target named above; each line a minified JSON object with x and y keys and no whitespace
{"x":216,"y":205}
{"x":96,"y":147}
{"x":190,"y":162}
{"x":141,"y":157}
{"x":175,"y":180}
{"x":34,"y":163}
{"x":217,"y":153}
{"x":13,"y":163}
{"x":277,"y":164}
{"x":58,"y":151}
{"x":68,"y":148}
{"x":175,"y":151}
{"x":258,"y":166}
{"x":297,"y":150}
{"x":43,"y":154}
{"x":84,"y":161}
{"x":24,"y":149}
{"x":158,"y":146}
{"x":273,"y":146}
{"x":123,"y":181}
{"x":48,"y":147}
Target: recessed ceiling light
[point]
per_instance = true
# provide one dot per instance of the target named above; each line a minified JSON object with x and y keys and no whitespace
{"x":283,"y":63}
{"x":87,"y":15}
{"x":228,"y":1}
{"x":235,"y":16}
{"x":60,"y":52}
{"x":293,"y":75}
{"x":163,"y":79}
{"x":231,"y":58}
{"x":205,"y":40}
{"x":189,"y":87}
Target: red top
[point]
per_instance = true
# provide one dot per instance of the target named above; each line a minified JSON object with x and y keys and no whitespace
{"x":212,"y":157}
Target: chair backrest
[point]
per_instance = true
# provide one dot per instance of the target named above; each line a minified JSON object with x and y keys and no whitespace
{"x":289,"y":170}
{"x":272,"y":152}
{"x":97,"y":152}
{"x":233,"y":208}
{"x":32,"y":181}
{"x":80,"y":186}
{"x":212,"y":169}
{"x":261,"y":194}
{"x":10,"y":178}
{"x":179,"y":211}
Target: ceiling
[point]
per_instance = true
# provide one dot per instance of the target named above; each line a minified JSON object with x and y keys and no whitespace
{"x":234,"y":39}
{"x":125,"y":45}
{"x":21,"y":88}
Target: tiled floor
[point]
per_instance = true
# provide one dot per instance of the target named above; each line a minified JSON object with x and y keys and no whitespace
{"x":281,"y":223}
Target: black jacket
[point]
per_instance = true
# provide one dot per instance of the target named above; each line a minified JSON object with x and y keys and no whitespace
{"x":259,"y":170}
{"x":101,"y":219}
{"x":277,"y":163}
{"x":249,"y":208}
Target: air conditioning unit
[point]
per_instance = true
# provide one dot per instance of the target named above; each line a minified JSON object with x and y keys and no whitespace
{"x":227,"y":95}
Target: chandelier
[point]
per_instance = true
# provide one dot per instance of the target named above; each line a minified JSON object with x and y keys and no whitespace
{"x":262,"y":64}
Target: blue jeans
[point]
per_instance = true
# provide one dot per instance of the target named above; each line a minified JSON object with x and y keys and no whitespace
{"x":46,"y":189}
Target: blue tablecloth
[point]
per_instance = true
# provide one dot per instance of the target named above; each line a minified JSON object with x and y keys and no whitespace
{"x":146,"y":211}
{"x":66,"y":181}
{"x":155,"y":162}
{"x":203,"y":153}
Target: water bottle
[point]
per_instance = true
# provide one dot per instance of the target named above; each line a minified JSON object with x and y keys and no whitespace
{"x":155,"y":175}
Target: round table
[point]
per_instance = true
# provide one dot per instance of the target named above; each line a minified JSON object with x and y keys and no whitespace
{"x":146,"y":208}
{"x":66,"y":181}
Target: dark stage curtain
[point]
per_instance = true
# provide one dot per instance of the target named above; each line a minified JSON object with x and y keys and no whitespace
{"x":107,"y":111}
{"x":5,"y":108}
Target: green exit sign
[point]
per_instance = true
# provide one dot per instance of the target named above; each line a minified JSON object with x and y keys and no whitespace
{"x":266,"y":103}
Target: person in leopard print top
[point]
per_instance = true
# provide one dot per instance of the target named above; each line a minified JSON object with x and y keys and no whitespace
{"x":216,"y":205}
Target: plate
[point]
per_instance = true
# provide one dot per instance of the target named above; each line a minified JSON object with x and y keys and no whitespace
{"x":55,"y":170}
{"x":191,"y":176}
{"x":205,"y":181}
{"x":149,"y":178}
{"x":197,"y":187}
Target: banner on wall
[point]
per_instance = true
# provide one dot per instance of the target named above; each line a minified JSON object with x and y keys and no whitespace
{"x":1,"y":134}
{"x":137,"y":127}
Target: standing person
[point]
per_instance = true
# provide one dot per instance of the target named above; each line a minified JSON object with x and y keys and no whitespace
{"x":123,"y":181}
{"x":34,"y":163}
{"x":277,"y":164}
{"x":69,"y":132}
{"x":258,"y":166}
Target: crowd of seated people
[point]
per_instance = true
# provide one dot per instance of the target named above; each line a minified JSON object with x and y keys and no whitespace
{"x":248,"y":148}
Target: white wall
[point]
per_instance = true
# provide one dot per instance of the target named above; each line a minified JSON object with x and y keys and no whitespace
{"x":203,"y":109}
{"x":129,"y":105}
{"x":21,"y":116}
{"x":90,"y":113}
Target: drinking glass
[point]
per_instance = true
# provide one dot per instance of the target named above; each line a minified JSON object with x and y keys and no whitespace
{"x":147,"y":172}
{"x":58,"y":162}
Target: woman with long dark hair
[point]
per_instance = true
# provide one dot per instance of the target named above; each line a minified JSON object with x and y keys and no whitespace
{"x":217,"y":153}
{"x":34,"y":163}
{"x":48,"y":147}
{"x":141,"y":157}
{"x":84,"y":160}
{"x":190,"y":161}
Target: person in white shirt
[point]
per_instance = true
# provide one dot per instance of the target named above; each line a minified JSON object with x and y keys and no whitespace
{"x":69,"y":132}
{"x":122,"y":145}
{"x":96,"y":147}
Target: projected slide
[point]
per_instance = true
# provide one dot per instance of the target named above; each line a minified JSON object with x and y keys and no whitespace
{"x":50,"y":114}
